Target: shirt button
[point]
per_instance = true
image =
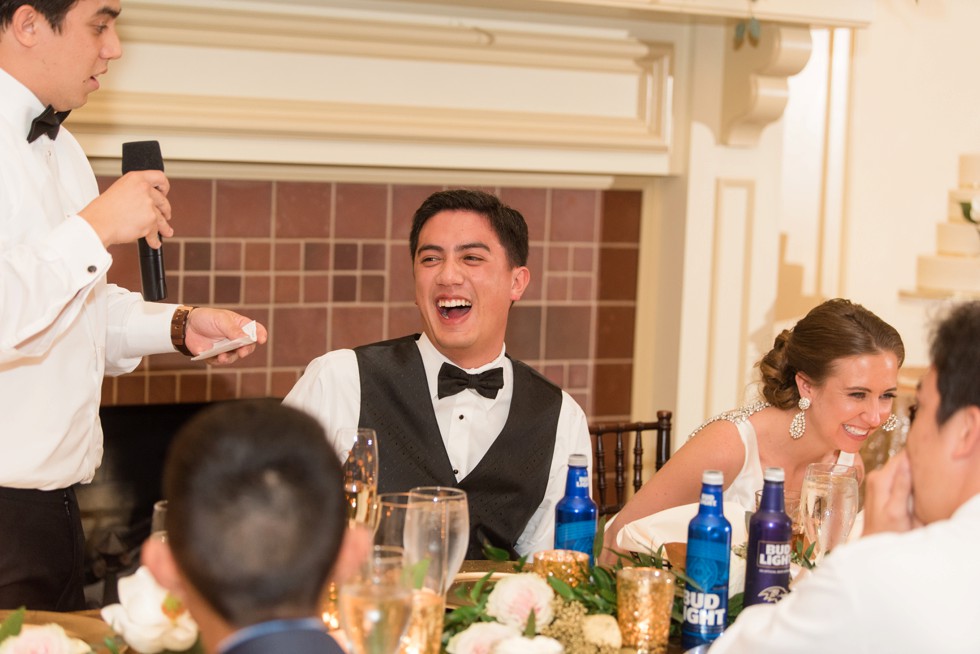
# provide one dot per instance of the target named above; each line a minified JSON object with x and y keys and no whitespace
{"x":461,"y":416}
{"x":92,"y":269}
{"x":455,"y":471}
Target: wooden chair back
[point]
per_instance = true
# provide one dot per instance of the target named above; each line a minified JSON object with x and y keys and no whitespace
{"x":613,"y":437}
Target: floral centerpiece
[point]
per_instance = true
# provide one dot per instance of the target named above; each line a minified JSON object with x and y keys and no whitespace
{"x":525,"y":613}
{"x":18,"y":638}
{"x":150,"y":619}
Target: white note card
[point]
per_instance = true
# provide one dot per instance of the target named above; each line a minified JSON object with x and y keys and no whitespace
{"x":225,"y":345}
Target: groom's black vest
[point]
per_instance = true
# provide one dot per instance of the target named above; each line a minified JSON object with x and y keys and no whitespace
{"x":506,"y":486}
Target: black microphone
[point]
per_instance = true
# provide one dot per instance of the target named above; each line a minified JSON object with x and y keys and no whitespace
{"x":145,"y":155}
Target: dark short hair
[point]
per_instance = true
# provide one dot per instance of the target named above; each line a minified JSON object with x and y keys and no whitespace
{"x":955,"y":354}
{"x":507,"y":223}
{"x":833,"y":330}
{"x":256,"y":509}
{"x":53,"y":11}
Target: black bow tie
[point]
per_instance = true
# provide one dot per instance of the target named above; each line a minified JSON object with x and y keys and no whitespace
{"x":49,"y":122}
{"x":452,"y":380}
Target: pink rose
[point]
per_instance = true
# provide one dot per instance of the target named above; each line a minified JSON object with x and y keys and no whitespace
{"x":47,"y":639}
{"x":515,"y":596}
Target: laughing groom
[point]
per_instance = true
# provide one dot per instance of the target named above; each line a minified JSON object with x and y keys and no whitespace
{"x":449,"y":406}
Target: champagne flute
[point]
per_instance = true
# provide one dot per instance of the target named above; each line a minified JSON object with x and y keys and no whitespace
{"x":391,"y":511}
{"x":376,"y":604}
{"x":360,"y":475}
{"x":437,"y":531}
{"x":828,"y":505}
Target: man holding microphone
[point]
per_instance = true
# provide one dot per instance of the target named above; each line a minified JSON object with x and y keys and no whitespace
{"x":62,"y":326}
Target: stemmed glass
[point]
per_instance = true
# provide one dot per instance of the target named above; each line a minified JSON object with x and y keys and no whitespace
{"x":360,"y":475}
{"x":437,"y":531}
{"x":828,"y":505}
{"x":376,"y":604}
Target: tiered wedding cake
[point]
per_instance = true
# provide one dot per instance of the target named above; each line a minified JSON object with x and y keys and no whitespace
{"x":956,"y":267}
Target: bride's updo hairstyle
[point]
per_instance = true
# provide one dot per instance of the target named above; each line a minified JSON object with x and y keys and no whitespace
{"x":830,"y":331}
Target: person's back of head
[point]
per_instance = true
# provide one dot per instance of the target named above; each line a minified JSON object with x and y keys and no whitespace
{"x":955,"y":354}
{"x":833,"y":330}
{"x":256,"y":509}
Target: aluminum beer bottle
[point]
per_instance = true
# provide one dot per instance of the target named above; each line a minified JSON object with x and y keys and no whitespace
{"x":709,"y":544}
{"x":770,"y":535}
{"x":575,"y":513}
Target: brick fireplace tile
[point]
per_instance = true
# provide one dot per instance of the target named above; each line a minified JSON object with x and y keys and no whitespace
{"x":401,"y":283}
{"x":243,"y":208}
{"x":578,"y":376}
{"x":614,"y":332}
{"x":373,"y":256}
{"x":282,"y":381}
{"x":109,"y":391}
{"x":316,"y":255}
{"x":131,"y":389}
{"x":405,"y":200}
{"x":582,"y":289}
{"x":345,"y":256}
{"x":125,"y":268}
{"x":191,"y":203}
{"x":193,"y":387}
{"x":258,"y":256}
{"x":228,"y":255}
{"x":344,"y":288}
{"x":228,"y":289}
{"x":316,"y":289}
{"x":288,"y":256}
{"x":555,"y":373}
{"x":533,"y":205}
{"x":303,"y":209}
{"x":403,"y":320}
{"x":223,"y":385}
{"x":556,"y":287}
{"x":163,"y":389}
{"x":372,"y":288}
{"x":617,"y":273}
{"x":613,"y":385}
{"x":258,"y":289}
{"x":298,"y":335}
{"x":353,"y":326}
{"x":362,"y":211}
{"x":254,"y":384}
{"x":196,"y":290}
{"x":567,"y":332}
{"x":197,"y":256}
{"x":535,"y":264}
{"x":558,"y":258}
{"x":583,"y":259}
{"x":621,"y":216}
{"x":287,"y":289}
{"x":573,"y":215}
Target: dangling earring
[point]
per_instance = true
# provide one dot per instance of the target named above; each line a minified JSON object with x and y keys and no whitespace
{"x":891,"y":424}
{"x":798,"y":426}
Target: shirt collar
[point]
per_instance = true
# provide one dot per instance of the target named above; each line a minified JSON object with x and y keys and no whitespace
{"x":432,"y":360}
{"x":20,"y":106}
{"x":261,"y":629}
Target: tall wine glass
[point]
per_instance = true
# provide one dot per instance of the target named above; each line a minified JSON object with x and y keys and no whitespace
{"x":360,"y":475}
{"x":437,"y":531}
{"x":375,"y":605}
{"x":391,"y":511}
{"x":828,"y":505}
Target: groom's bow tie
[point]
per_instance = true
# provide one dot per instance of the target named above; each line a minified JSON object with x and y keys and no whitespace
{"x":452,"y":380}
{"x":49,"y":122}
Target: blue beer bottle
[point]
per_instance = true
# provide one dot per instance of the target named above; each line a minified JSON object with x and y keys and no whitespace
{"x":709,"y":543}
{"x":768,"y":553}
{"x":575,"y":513}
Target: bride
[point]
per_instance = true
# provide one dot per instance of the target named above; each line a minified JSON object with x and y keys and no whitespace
{"x":827,"y":385}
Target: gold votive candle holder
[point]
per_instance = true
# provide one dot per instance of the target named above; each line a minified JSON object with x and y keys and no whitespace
{"x":644,"y":601}
{"x":424,"y":632}
{"x":570,"y":566}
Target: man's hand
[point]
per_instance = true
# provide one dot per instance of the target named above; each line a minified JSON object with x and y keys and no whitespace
{"x":135,"y":206}
{"x":206,"y":326}
{"x":888,"y":498}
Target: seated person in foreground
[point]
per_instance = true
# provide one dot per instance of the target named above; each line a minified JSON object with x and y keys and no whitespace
{"x":913,"y":563}
{"x":828,"y":384}
{"x":450,"y":408}
{"x":254,"y":526}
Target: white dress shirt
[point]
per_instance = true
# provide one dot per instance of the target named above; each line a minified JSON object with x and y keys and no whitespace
{"x":910,"y":592}
{"x":62,"y":327}
{"x":330,"y":390}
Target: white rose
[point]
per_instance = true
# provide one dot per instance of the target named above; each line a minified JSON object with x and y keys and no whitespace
{"x":514,"y":597}
{"x":480,"y":638}
{"x":49,"y":639}
{"x":736,"y":576}
{"x":148,"y":618}
{"x":602,"y":630}
{"x":522,"y":645}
